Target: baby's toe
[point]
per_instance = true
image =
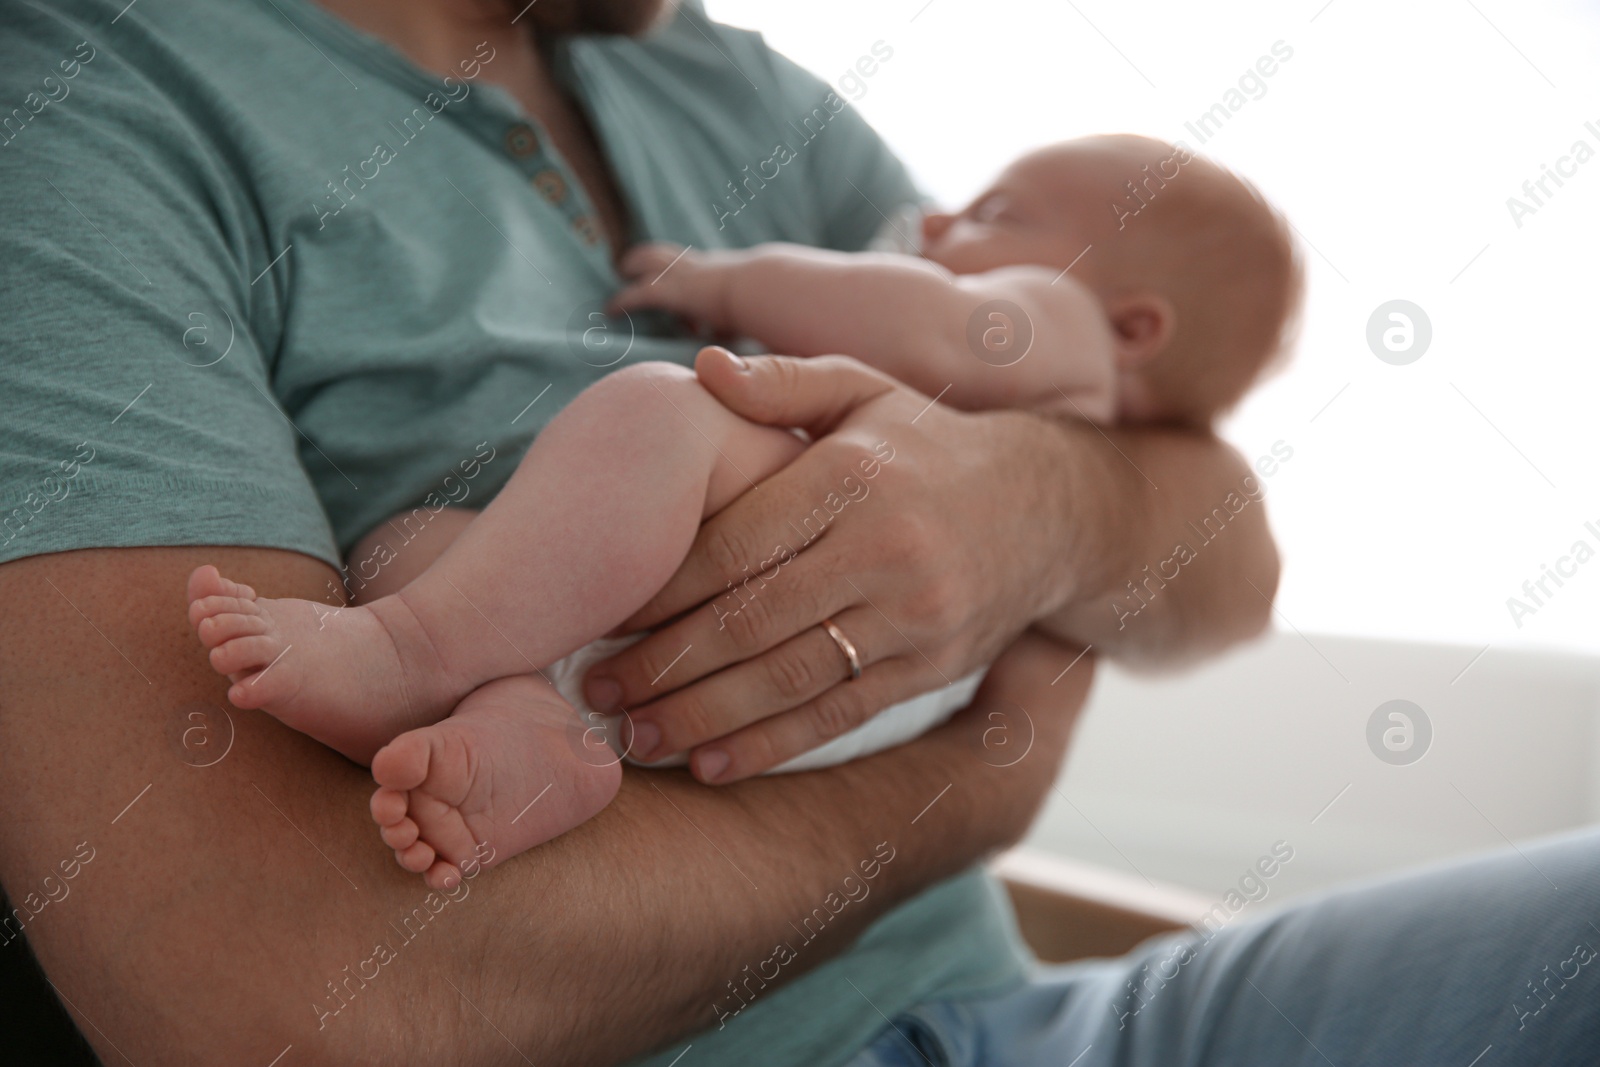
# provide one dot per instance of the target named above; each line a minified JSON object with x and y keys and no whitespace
{"x":388,"y":806}
{"x":399,"y":836}
{"x":204,"y":581}
{"x":442,"y":875}
{"x":402,"y":764}
{"x":417,"y":858}
{"x":245,"y":653}
{"x":208,"y":581}
{"x":206,"y":607}
{"x":217,"y":629}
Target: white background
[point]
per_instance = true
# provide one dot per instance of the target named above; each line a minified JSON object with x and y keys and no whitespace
{"x":1422,"y":496}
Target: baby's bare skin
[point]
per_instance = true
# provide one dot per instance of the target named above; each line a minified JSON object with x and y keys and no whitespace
{"x":980,"y":341}
{"x":647,"y":448}
{"x":1054,"y":290}
{"x":405,"y":683}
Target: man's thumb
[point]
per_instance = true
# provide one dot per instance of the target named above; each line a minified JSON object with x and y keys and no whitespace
{"x":812,"y":394}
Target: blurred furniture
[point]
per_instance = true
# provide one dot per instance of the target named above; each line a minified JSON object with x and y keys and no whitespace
{"x":1189,"y":778}
{"x":1069,"y":910}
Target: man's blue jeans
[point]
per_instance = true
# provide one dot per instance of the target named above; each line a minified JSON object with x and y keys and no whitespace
{"x":1485,"y":963}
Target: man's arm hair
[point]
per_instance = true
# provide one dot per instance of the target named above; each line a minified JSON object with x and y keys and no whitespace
{"x":1167,"y":543}
{"x":235,"y":890}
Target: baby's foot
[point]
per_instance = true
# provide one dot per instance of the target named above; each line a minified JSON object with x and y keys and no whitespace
{"x":503,"y":773}
{"x":350,"y":677}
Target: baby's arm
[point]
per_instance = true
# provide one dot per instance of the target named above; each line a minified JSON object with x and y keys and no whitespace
{"x":1013,"y":337}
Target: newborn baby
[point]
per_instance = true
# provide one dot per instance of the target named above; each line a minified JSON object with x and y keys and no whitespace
{"x":1116,"y":278}
{"x":1110,"y":278}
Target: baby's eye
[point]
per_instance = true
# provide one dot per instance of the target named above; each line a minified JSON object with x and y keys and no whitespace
{"x":990,"y":209}
{"x":997,"y":210}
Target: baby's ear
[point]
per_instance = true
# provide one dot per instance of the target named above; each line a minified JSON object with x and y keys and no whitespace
{"x":1143,"y":325}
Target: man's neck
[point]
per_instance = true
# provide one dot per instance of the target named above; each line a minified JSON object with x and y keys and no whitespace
{"x":437,"y":35}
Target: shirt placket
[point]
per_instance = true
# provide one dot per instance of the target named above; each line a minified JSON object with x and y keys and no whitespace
{"x":499,"y":120}
{"x":549,"y":177}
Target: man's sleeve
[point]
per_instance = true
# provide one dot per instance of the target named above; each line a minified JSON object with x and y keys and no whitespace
{"x":861,"y":184}
{"x":135,"y":350}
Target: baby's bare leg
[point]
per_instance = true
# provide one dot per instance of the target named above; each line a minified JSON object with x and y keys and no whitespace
{"x":593,"y":522}
{"x":619,"y":488}
{"x":396,"y":553}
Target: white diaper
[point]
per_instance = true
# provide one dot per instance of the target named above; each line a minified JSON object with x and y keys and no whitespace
{"x":892,"y":726}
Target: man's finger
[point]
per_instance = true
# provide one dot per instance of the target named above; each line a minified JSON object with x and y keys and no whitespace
{"x":745,"y":546}
{"x":733,"y":628}
{"x":773,"y":741}
{"x":813,"y":394}
{"x":796,"y":672}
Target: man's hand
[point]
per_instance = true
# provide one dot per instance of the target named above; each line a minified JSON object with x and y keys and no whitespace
{"x":930,"y":538}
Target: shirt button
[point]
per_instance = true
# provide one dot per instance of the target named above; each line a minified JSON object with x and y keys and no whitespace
{"x":521,"y":141}
{"x":551,"y":185}
{"x":585,"y":225}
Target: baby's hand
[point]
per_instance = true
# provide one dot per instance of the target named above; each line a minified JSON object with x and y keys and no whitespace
{"x":673,"y":278}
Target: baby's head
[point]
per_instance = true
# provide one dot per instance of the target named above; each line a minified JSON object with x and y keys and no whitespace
{"x":1198,"y":274}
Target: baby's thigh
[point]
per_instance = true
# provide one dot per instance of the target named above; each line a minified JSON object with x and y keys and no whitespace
{"x":748,"y":453}
{"x":667,"y":401}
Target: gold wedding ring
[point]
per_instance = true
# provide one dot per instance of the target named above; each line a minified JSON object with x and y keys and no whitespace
{"x":845,"y":646}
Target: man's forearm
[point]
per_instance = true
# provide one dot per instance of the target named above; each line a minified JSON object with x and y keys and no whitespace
{"x":1168,"y":554}
{"x":734,"y":867}
{"x":240,"y":901}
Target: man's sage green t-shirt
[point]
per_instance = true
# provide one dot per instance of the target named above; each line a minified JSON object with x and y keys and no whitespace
{"x":265,"y":282}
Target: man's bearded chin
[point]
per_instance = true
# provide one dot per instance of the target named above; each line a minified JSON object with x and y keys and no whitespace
{"x":628,"y":17}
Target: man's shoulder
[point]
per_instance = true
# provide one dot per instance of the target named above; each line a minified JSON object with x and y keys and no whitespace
{"x":753,"y":119}
{"x":732,"y":65}
{"x":175,"y":29}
